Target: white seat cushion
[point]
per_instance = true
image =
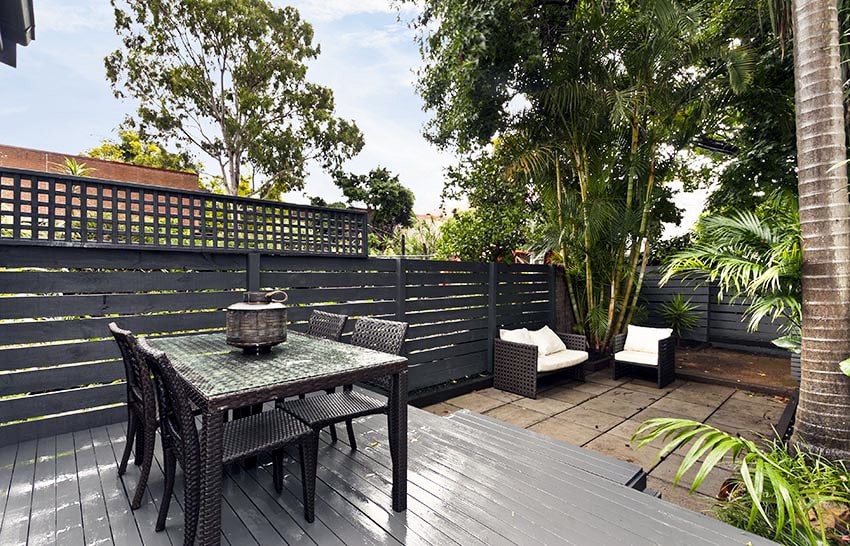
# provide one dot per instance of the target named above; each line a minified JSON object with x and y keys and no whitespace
{"x":559,"y":360}
{"x":517,"y":336}
{"x":645,"y":340}
{"x":640,"y":357}
{"x":547,"y":341}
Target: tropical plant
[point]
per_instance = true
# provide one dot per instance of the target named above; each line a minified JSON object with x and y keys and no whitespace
{"x":420,"y":239}
{"x":610,"y":94}
{"x":754,"y":256}
{"x":794,"y":499}
{"x":74,"y":168}
{"x":821,"y":419}
{"x":229,"y":77}
{"x":680,"y":314}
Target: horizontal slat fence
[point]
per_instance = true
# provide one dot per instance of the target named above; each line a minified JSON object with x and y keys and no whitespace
{"x":721,"y":321}
{"x":60,"y":370}
{"x":60,"y":210}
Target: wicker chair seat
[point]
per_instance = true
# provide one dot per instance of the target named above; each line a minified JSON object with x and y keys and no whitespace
{"x":328,"y":409}
{"x":260,"y":433}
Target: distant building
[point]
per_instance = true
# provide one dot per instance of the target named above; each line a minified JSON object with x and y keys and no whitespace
{"x":52,"y":162}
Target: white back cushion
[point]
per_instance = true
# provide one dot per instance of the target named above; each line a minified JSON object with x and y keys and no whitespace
{"x":517,"y":336}
{"x":547,"y":341}
{"x":645,"y":340}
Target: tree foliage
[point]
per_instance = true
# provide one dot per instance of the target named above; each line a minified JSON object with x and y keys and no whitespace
{"x":390,"y":204}
{"x":594,"y":104}
{"x":229,"y":76}
{"x":132,"y":148}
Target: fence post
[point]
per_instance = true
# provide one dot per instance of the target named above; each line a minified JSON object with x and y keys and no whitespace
{"x":253,"y":272}
{"x":400,"y":289}
{"x":552,"y":298}
{"x":492,"y":302}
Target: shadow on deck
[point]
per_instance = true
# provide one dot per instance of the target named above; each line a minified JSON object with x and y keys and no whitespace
{"x":472,"y":481}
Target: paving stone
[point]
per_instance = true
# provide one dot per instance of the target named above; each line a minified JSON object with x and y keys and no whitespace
{"x":475,"y":402}
{"x":706,"y":393}
{"x":754,"y":398}
{"x":548,"y":406}
{"x":678,"y":495}
{"x":502,"y":396}
{"x":621,"y":402}
{"x":619,"y":448}
{"x":517,"y":415}
{"x":603,"y":377}
{"x":441,"y":409}
{"x":589,"y":418}
{"x":673,"y":407}
{"x":651,"y":387}
{"x":744,"y":414}
{"x":592,"y":388}
{"x":570,"y":395}
{"x":565,"y":431}
{"x":666,"y":470}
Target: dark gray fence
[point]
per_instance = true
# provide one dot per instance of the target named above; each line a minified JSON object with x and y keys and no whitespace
{"x":721,"y":322}
{"x":59,"y":371}
{"x":56,"y":210}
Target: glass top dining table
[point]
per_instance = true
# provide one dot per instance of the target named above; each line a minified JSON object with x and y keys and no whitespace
{"x":219,"y":377}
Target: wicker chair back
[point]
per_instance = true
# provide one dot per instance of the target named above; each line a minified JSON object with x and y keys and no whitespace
{"x":140,"y":394}
{"x":381,"y":335}
{"x":326,"y":325}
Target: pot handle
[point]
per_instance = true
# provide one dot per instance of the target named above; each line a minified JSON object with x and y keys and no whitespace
{"x":271,"y":296}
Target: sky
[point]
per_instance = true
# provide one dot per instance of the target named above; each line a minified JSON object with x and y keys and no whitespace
{"x":58,"y":98}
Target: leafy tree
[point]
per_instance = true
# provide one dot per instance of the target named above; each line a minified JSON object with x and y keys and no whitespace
{"x":320,"y":202}
{"x":132,"y":148}
{"x":482,"y":235}
{"x":613,"y":93}
{"x":389,"y":203}
{"x":229,"y":76}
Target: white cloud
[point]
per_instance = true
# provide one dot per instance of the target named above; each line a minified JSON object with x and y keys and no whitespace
{"x":55,"y":16}
{"x":333,"y":10}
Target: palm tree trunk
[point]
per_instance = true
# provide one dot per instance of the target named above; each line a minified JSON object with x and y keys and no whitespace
{"x":823,"y":414}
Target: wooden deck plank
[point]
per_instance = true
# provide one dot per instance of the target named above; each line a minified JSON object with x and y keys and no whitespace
{"x":377,"y":507}
{"x":69,"y":520}
{"x":259,"y":527}
{"x":146,"y":514}
{"x":7,"y":465}
{"x":125,"y":530}
{"x":496,"y":484}
{"x":17,"y":513}
{"x":351,"y":467}
{"x":554,"y":450}
{"x":96,"y":528}
{"x":42,"y":528}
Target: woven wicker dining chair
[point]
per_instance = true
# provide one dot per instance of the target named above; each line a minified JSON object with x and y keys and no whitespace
{"x":269,"y":431}
{"x":331,"y":408}
{"x":326,"y":326}
{"x":141,"y":410}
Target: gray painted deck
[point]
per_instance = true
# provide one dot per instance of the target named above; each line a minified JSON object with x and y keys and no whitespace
{"x":472,"y":481}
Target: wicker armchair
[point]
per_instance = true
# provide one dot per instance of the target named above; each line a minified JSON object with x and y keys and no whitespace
{"x":515,"y":365}
{"x":269,"y":431}
{"x":141,"y":410}
{"x":664,"y":363}
{"x":328,"y":409}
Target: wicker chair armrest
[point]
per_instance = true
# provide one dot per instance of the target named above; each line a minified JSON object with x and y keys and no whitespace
{"x":524,"y":348}
{"x":515,"y":367}
{"x":619,"y":343}
{"x":667,"y":350}
{"x":575,"y":342}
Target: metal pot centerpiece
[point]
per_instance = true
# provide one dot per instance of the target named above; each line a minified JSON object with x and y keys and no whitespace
{"x":257,"y":323}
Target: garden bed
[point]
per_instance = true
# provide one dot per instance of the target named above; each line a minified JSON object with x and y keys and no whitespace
{"x":759,"y":372}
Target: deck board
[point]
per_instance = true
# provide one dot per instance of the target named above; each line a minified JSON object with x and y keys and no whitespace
{"x":471,"y":481}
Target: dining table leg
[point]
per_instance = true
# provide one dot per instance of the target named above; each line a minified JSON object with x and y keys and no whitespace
{"x":212,"y":446}
{"x":397,"y":428}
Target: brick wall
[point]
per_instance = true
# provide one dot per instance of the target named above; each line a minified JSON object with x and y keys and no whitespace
{"x":39,"y":160}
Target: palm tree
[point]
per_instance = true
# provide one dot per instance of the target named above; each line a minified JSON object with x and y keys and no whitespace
{"x":823,"y":413}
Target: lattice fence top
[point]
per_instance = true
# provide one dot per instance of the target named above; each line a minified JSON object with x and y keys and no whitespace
{"x":61,"y":210}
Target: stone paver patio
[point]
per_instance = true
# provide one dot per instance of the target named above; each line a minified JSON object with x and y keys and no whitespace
{"x":602,"y":414}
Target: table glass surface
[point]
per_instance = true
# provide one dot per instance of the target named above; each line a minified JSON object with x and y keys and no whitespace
{"x":217,"y":369}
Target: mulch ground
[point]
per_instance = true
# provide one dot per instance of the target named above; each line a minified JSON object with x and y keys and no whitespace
{"x":772,"y":373}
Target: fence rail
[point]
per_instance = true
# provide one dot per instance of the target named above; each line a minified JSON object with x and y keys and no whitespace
{"x":58,"y":210}
{"x":59,"y":370}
